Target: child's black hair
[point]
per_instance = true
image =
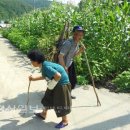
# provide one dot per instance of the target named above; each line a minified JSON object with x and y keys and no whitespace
{"x":35,"y":55}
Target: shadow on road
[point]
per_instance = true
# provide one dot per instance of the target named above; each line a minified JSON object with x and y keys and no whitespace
{"x":109,"y":124}
{"x":21,"y":100}
{"x":32,"y":124}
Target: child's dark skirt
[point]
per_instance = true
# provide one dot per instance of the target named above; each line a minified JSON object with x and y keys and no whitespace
{"x":58,"y":99}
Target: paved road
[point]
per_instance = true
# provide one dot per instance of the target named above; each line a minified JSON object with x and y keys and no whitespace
{"x":114,"y":114}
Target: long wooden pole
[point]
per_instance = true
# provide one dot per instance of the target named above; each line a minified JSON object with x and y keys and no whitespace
{"x":93,"y":83}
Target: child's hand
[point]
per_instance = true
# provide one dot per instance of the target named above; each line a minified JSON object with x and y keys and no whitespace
{"x":31,"y":78}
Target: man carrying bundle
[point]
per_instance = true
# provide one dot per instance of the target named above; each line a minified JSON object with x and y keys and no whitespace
{"x":68,"y":51}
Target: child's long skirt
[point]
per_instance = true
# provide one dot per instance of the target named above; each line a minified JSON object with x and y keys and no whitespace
{"x":58,"y":99}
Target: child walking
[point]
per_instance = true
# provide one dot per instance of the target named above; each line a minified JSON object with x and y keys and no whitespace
{"x":58,"y":93}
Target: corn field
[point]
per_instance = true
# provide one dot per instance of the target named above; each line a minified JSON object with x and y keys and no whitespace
{"x":107,"y":37}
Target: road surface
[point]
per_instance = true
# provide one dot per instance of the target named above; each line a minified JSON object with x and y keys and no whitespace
{"x":114,"y":114}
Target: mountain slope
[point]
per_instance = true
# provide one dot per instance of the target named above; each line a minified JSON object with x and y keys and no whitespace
{"x":38,"y":3}
{"x":13,"y":8}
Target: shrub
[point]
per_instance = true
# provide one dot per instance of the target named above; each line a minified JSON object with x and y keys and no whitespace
{"x":82,"y":80}
{"x":122,"y":81}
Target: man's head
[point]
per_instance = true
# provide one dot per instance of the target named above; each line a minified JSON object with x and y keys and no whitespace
{"x":36,"y":57}
{"x":78,"y":33}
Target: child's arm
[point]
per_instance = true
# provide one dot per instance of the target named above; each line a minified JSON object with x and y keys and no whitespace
{"x":36,"y":78}
{"x":54,"y":81}
{"x":57,"y":76}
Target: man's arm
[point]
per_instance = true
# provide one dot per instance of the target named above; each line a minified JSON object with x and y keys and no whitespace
{"x":63,"y":52}
{"x":62,"y":62}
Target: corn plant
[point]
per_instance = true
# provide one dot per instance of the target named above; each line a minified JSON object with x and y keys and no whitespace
{"x":107,"y":37}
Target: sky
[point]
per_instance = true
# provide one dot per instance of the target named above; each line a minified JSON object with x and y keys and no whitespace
{"x":75,"y":2}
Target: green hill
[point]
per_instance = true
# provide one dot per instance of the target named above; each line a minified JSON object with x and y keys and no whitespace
{"x":38,"y":3}
{"x":13,"y":8}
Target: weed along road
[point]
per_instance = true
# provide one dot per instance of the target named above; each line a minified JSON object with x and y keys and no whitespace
{"x":114,"y":114}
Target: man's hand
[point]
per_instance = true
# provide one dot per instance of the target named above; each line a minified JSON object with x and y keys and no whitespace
{"x":82,"y":48}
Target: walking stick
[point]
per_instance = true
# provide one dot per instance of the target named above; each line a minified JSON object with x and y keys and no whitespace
{"x":93,"y":83}
{"x":28,"y":93}
{"x":24,"y":112}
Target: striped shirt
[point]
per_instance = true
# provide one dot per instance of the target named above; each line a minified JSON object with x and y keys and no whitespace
{"x":69,"y":50}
